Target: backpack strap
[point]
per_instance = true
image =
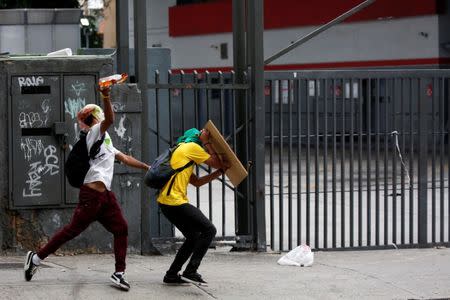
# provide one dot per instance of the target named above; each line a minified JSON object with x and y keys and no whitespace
{"x":172,"y":181}
{"x":95,"y":149}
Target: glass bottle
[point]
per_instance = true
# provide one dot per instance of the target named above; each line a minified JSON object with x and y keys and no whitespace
{"x":106,"y":82}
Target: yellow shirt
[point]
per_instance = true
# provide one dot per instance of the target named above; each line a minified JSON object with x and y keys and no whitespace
{"x":185,"y":153}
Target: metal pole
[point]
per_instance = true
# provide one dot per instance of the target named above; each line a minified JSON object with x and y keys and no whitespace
{"x":240,"y":66}
{"x":239,"y":54}
{"x":256,"y":46}
{"x":319,"y":30}
{"x":86,"y":36}
{"x":122,"y":36}
{"x":140,"y":62}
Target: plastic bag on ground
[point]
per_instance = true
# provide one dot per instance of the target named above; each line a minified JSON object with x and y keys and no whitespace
{"x":301,"y":256}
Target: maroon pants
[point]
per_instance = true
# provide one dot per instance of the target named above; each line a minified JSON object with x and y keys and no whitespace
{"x":94,"y":206}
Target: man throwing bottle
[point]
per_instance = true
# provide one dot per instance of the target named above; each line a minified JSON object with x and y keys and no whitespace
{"x":96,"y":200}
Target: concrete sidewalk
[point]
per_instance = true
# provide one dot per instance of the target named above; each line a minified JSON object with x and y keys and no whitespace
{"x":382,"y":274}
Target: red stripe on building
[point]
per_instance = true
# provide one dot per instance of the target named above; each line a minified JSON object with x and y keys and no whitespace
{"x":216,"y":17}
{"x":203,"y":18}
{"x":417,"y":62}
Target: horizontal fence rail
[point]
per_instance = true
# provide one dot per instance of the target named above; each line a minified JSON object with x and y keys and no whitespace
{"x":357,"y":159}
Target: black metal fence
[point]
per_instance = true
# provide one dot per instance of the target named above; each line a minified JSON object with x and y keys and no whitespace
{"x":354,"y":159}
{"x":182,"y":101}
{"x":357,"y":159}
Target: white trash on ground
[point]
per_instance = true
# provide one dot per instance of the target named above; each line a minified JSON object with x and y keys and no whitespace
{"x":62,"y":52}
{"x":301,"y":256}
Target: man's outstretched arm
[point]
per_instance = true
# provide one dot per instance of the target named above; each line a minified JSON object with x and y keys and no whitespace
{"x":199,"y":181}
{"x":131,"y":161}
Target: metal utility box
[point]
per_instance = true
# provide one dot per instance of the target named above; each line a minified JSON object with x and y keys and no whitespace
{"x":43,"y":96}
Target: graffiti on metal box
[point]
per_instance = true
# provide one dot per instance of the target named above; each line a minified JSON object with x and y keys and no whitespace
{"x":35,"y":119}
{"x":31,"y":147}
{"x":30,"y":81}
{"x":48,"y":166}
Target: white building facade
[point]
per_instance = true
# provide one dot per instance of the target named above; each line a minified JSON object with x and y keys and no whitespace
{"x":387,"y":34}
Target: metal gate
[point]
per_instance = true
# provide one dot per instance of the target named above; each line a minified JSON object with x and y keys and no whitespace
{"x":182,"y":101}
{"x":354,"y":159}
{"x":357,"y":159}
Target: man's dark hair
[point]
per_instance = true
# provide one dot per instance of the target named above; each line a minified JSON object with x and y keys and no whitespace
{"x":89,"y":120}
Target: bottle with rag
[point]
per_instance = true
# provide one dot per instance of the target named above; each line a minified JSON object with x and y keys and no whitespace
{"x":106,"y":82}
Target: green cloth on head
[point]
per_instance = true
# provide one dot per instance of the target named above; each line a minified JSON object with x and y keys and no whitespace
{"x":191,"y":136}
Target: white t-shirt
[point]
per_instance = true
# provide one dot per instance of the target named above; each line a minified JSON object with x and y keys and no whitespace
{"x":102,"y":166}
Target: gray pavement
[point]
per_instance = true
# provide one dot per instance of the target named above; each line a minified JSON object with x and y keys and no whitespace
{"x":382,"y":274}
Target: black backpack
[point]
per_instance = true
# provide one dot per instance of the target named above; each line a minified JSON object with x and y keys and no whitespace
{"x":160,"y":171}
{"x":77,"y":163}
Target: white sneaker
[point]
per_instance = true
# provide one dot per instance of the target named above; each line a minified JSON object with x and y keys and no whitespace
{"x":29,"y":267}
{"x":120,"y":282}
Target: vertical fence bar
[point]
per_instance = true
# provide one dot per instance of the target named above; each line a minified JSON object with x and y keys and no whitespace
{"x":411,"y":164}
{"x":433,"y":164}
{"x":247,"y":111}
{"x":197,"y":125}
{"x":402,"y":174}
{"x":352,"y":158}
{"x":394,"y":137}
{"x":377,"y":164}
{"x":333,"y":170}
{"x":308,"y":166}
{"x":446,"y":92}
{"x":386,"y":166}
{"x":316,"y":165}
{"x":360,"y":141}
{"x":208,"y":92}
{"x":369,"y":160}
{"x":271,"y":162}
{"x":423,"y":167}
{"x":299,"y":160}
{"x":222,"y":127}
{"x":325,"y":166}
{"x":280,"y":160}
{"x":289,"y":94}
{"x":234,"y":141}
{"x":343,"y":166}
{"x":441,"y":157}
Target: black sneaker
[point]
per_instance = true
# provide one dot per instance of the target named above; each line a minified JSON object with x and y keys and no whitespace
{"x":120,"y":282}
{"x":194,"y":278}
{"x":29,"y":267}
{"x":174,"y":279}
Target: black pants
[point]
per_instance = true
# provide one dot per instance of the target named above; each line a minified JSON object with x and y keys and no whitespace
{"x":198,"y":231}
